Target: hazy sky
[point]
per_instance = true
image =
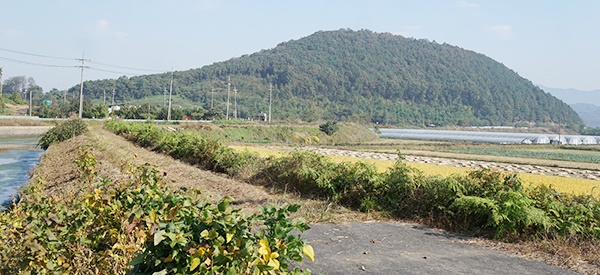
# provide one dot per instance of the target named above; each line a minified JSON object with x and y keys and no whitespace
{"x":554,"y":43}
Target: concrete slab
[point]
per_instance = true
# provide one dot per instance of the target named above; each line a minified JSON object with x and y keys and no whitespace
{"x":401,"y":248}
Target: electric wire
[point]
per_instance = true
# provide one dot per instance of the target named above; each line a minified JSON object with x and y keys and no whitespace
{"x":122,"y":67}
{"x":75,"y":59}
{"x":110,"y":71}
{"x":37,"y":64}
{"x":38,"y":55}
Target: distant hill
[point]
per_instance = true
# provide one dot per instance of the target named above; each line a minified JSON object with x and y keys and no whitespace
{"x":589,"y":113}
{"x":360,"y":76}
{"x":573,"y":96}
{"x":585,"y":103}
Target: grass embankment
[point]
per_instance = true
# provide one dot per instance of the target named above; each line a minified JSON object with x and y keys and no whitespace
{"x":483,"y":202}
{"x":297,"y":134}
{"x":92,"y":208}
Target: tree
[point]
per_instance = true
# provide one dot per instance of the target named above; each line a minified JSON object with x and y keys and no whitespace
{"x":214,"y":114}
{"x":329,"y":128}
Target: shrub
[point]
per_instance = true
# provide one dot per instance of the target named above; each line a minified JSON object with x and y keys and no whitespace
{"x":307,"y":173}
{"x":329,"y":127}
{"x":61,"y":132}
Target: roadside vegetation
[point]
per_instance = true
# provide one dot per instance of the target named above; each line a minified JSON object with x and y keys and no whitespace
{"x":483,"y":202}
{"x":140,"y":225}
{"x":575,"y":186}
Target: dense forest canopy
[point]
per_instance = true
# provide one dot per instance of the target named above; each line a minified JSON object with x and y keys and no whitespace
{"x":357,"y":75}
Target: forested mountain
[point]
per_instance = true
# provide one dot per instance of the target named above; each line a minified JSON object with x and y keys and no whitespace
{"x":360,"y":76}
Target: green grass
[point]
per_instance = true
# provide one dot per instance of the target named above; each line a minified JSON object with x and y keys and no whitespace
{"x":566,"y":156}
{"x":245,"y":132}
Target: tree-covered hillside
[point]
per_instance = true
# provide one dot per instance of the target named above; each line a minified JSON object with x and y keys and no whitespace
{"x":359,"y":76}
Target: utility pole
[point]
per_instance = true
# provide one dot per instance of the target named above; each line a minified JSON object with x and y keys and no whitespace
{"x":81,"y":85}
{"x":104,"y":97}
{"x":0,"y":83}
{"x":170,"y":93}
{"x":30,"y":105}
{"x":113,"y":98}
{"x":270,"y":99}
{"x":212,"y":97}
{"x":164,"y":98}
{"x":228,"y":85}
{"x":559,"y":134}
{"x":148,"y":108}
{"x":235,"y":102}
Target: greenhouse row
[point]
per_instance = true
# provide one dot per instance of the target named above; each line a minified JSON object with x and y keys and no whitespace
{"x":491,"y":137}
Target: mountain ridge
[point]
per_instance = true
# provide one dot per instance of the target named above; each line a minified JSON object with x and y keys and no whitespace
{"x":363,"y":76}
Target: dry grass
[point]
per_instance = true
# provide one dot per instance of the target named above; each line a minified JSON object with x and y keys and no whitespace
{"x":24,"y":122}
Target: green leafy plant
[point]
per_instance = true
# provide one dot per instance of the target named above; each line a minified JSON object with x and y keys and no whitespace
{"x":111,"y":227}
{"x":66,"y":130}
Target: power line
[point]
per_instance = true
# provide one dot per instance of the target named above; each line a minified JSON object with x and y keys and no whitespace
{"x":38,"y":55}
{"x":126,"y":68}
{"x":75,"y":59}
{"x":37,"y":64}
{"x":109,"y":71}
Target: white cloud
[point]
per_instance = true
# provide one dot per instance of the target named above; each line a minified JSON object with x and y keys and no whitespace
{"x":466,"y":4}
{"x":504,"y":32}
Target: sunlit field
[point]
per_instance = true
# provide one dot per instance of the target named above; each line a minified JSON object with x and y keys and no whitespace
{"x":576,"y":186}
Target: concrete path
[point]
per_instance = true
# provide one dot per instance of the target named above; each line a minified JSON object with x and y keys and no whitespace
{"x":401,"y":248}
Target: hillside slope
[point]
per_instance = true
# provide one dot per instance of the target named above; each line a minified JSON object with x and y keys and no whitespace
{"x":361,"y":76}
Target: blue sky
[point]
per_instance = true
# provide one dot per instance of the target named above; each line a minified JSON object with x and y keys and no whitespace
{"x":553,"y":43}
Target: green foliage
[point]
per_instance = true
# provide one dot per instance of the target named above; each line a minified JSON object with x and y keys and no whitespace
{"x":16,"y":98}
{"x":329,"y":128}
{"x":66,"y":130}
{"x":86,"y":163}
{"x":111,"y":227}
{"x":566,"y":156}
{"x":188,"y":236}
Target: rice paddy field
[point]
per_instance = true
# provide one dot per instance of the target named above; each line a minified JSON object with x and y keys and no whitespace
{"x":576,"y":186}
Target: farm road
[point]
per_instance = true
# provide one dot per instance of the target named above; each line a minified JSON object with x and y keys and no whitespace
{"x":401,"y":248}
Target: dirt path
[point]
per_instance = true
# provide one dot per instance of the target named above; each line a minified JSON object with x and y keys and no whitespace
{"x":475,"y":164}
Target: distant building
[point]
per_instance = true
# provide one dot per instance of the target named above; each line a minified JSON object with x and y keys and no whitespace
{"x":261,"y":116}
{"x":113,"y":108}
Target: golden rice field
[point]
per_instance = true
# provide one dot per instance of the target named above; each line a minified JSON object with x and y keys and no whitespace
{"x":576,"y":186}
